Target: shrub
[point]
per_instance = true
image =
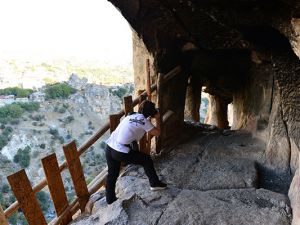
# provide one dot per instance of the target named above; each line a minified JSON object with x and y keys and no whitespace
{"x":43,"y":200}
{"x":88,"y":132}
{"x":69,"y":119}
{"x":23,"y":157}
{"x":16,"y":91}
{"x":59,"y":90}
{"x":43,"y":146}
{"x":8,"y":130}
{"x":61,"y":139}
{"x":5,"y":188}
{"x":53,"y":131}
{"x":120,"y":92}
{"x":15,"y":110}
{"x":37,"y":117}
{"x":5,"y":136}
{"x":13,"y":220}
{"x":3,"y":141}
{"x":69,"y":136}
{"x":62,"y":110}
{"x":15,"y":122}
{"x":29,"y":106}
{"x":103,"y":144}
{"x":66,"y":105}
{"x":11,"y":111}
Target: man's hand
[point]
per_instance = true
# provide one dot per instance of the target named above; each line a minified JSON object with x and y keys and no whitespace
{"x":156,"y":130}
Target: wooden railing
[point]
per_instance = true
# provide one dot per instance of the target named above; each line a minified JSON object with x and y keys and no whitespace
{"x":25,"y":193}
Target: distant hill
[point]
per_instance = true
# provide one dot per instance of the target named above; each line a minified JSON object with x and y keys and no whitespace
{"x":35,"y":74}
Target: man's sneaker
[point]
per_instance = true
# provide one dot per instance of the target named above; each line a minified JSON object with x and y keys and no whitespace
{"x":110,"y":201}
{"x":159,"y":186}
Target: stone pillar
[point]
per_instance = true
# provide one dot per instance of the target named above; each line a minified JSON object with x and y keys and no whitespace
{"x":217,"y":112}
{"x":193,"y":102}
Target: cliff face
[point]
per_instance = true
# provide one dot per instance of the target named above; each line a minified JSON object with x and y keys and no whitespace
{"x":245,"y":52}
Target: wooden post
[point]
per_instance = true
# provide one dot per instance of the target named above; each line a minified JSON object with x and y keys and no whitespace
{"x":128,"y":107}
{"x":76,"y":171}
{"x":160,"y":106}
{"x":114,"y":121}
{"x":143,"y":141}
{"x":3,"y":220}
{"x":148,"y":80}
{"x":141,"y":97}
{"x":56,"y":187}
{"x":24,"y":194}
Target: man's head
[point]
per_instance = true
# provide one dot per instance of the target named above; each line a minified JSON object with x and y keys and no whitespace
{"x":147,"y":108}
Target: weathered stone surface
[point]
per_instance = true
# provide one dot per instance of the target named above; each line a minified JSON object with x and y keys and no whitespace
{"x":247,"y":206}
{"x":294,"y":196}
{"x":210,"y":181}
{"x":138,"y":205}
{"x":209,"y":174}
{"x":76,"y":82}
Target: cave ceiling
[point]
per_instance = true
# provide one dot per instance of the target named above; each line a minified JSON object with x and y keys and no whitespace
{"x":213,"y":25}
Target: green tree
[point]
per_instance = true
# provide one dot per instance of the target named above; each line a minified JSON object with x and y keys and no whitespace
{"x":120,"y":92}
{"x":59,"y":90}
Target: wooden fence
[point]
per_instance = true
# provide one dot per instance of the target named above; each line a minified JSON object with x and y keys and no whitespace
{"x":26,"y":194}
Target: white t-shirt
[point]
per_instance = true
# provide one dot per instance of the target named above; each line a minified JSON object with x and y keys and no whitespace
{"x":131,"y":128}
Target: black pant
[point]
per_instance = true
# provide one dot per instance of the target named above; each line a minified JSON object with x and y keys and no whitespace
{"x":114,"y":159}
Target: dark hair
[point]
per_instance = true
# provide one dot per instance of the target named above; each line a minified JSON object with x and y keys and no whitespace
{"x":147,"y":108}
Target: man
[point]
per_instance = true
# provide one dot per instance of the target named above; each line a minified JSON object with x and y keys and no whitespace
{"x":132,"y":128}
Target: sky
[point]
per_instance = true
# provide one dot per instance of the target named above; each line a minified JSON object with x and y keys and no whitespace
{"x":84,"y":29}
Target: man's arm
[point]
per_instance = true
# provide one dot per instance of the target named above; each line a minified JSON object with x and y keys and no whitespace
{"x":156,"y":130}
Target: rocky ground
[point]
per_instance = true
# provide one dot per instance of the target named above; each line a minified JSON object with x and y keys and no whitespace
{"x":214,"y":178}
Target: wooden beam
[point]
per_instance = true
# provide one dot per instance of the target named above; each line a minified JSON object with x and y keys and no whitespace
{"x":148,"y":79}
{"x":142,"y":96}
{"x":143,"y":141}
{"x":128,"y":106}
{"x":114,"y":121}
{"x":59,"y":219}
{"x":160,"y":106}
{"x":98,"y":181}
{"x":56,"y":186}
{"x":3,"y":220}
{"x":24,"y":194}
{"x":15,"y":206}
{"x":171,"y":74}
{"x":93,"y":139}
{"x":76,"y":171}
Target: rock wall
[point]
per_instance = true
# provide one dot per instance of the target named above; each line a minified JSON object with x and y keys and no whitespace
{"x":140,"y":56}
{"x":245,"y":53}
